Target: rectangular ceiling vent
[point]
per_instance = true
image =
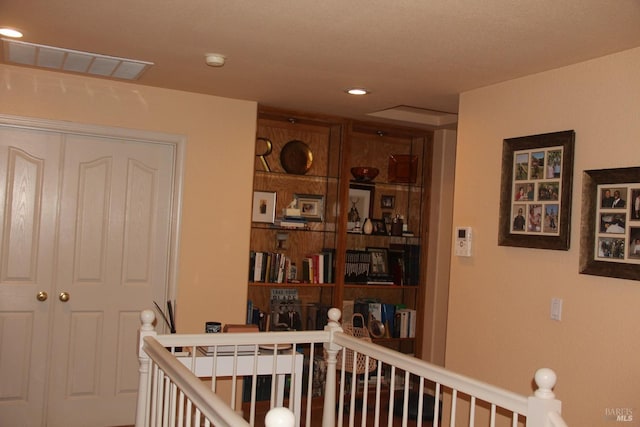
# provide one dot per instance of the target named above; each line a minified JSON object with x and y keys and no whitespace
{"x":55,"y":58}
{"x":423,"y":116}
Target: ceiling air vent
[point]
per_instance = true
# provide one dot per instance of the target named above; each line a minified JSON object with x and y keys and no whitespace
{"x":423,"y":116}
{"x":55,"y":58}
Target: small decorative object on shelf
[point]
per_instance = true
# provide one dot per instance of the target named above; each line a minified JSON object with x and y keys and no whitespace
{"x":268,"y":148}
{"x":292,"y":209}
{"x":364,"y":173}
{"x":403,"y":168}
{"x":296,"y":157}
{"x":367,"y":227}
{"x":396,"y":226}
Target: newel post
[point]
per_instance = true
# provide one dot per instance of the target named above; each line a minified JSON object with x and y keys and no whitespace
{"x":280,"y":417}
{"x":329,"y":408}
{"x":146,"y":329}
{"x":544,"y":399}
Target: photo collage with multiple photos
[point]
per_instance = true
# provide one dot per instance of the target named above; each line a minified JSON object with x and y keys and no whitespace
{"x":618,"y":223}
{"x":537,"y":175}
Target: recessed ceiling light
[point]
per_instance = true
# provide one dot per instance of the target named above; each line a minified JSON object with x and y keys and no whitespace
{"x":215,"y":59}
{"x":10,"y":32}
{"x":357,"y":91}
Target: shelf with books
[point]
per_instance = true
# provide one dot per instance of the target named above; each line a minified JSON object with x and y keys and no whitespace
{"x":316,"y":268}
{"x":298,"y":159}
{"x":396,"y":201}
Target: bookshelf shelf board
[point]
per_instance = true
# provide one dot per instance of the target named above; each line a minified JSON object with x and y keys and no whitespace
{"x":312,"y":227}
{"x":394,"y":186}
{"x":393,"y":287}
{"x":291,"y":285}
{"x":392,"y":340}
{"x":299,"y":178}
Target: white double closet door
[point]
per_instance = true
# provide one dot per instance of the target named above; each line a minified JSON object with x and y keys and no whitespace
{"x":86,"y":242}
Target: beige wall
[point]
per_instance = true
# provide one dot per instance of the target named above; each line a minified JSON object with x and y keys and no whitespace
{"x":218,"y":172}
{"x":499,"y":327}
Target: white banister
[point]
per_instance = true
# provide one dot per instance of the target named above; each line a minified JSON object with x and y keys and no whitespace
{"x":329,"y":408}
{"x":279,"y":417}
{"x":543,"y":403}
{"x":159,"y":368}
{"x":147,"y":318}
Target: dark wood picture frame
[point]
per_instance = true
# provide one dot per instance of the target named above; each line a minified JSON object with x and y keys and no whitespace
{"x":604,"y":253}
{"x":387,"y":201}
{"x":379,"y":262}
{"x":379,"y":227}
{"x":526,"y":162}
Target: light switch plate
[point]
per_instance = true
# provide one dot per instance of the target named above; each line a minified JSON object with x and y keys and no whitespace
{"x":556,"y":309}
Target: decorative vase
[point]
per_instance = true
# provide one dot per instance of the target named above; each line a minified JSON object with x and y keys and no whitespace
{"x":367,"y":227}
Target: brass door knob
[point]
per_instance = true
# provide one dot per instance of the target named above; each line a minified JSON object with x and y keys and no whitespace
{"x":64,"y":296}
{"x":42,"y":296}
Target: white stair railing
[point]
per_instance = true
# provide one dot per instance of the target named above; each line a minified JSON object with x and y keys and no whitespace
{"x":165,"y":376}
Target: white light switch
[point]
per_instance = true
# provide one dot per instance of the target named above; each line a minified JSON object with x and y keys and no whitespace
{"x":556,"y":308}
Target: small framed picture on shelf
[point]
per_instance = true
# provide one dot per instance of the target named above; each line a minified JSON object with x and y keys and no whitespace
{"x":311,"y":206}
{"x":387,"y":217}
{"x":379,"y":227}
{"x":387,"y":202}
{"x":379,"y":261}
{"x":360,"y":197}
{"x":264,"y":206}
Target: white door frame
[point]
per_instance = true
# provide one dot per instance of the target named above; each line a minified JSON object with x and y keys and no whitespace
{"x":175,"y":143}
{"x":178,"y":142}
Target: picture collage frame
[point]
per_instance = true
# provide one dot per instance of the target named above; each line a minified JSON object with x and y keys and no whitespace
{"x":535,"y":200}
{"x":610,"y":223}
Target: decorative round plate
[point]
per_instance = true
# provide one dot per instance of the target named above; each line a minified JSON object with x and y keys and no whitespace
{"x":296,"y":157}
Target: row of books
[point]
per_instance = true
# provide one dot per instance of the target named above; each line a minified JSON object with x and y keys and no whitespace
{"x":276,"y":267}
{"x":318,"y":267}
{"x":294,"y":222}
{"x":273,"y":267}
{"x":404,"y":263}
{"x":398,"y":320}
{"x":400,"y":266}
{"x":357,"y":266}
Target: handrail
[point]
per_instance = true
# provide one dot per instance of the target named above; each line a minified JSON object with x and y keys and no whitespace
{"x":484,"y":391}
{"x":556,"y":420}
{"x":259,"y":338}
{"x":203,"y":397}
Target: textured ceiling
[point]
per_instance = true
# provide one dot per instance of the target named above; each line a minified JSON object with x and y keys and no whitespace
{"x":301,"y":54}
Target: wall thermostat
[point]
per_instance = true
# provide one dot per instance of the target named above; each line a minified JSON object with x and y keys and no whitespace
{"x":463,"y":241}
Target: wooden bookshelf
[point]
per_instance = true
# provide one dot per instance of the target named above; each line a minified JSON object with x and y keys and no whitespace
{"x":338,"y":144}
